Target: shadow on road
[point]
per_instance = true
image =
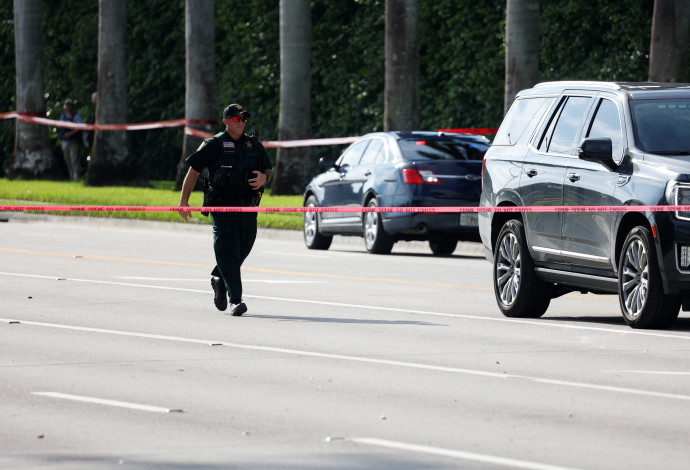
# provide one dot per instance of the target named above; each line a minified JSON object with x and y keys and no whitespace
{"x":345,"y":320}
{"x":413,"y":255}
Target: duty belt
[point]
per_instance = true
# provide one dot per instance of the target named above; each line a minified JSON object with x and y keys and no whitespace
{"x":235,"y":201}
{"x":247,"y":201}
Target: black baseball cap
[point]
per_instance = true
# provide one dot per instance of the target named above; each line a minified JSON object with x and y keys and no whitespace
{"x":234,"y":110}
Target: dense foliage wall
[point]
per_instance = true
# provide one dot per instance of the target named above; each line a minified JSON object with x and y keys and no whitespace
{"x":461,"y":61}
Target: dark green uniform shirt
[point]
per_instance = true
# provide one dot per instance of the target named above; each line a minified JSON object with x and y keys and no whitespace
{"x":230,"y":165}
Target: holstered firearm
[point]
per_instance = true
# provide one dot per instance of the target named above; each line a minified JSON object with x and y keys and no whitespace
{"x":209,"y":195}
{"x":255,"y":199}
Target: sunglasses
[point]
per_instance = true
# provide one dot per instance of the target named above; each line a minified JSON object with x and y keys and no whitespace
{"x":238,"y":119}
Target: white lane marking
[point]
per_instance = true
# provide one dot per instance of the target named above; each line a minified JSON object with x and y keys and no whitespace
{"x":413,"y":365}
{"x":650,"y":372}
{"x":101,"y":401}
{"x":267,"y":281}
{"x":113,"y":332}
{"x":543,"y":323}
{"x":513,"y":463}
{"x":92,"y":281}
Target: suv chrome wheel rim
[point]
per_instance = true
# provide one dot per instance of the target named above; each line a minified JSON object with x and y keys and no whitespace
{"x":508,"y":265}
{"x":371,"y":227}
{"x":635,"y":278}
{"x":309,"y":225}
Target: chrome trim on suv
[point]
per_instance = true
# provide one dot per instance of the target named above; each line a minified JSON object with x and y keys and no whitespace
{"x":572,"y":254}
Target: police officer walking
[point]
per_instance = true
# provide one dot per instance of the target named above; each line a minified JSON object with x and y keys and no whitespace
{"x":238,"y":167}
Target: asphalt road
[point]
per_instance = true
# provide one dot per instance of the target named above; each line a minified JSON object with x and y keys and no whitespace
{"x":112,"y":355}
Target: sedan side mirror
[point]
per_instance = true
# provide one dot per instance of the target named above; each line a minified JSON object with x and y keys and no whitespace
{"x":598,"y":150}
{"x":326,"y":163}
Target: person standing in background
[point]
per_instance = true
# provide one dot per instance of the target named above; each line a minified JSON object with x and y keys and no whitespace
{"x":71,"y":139}
{"x":88,"y":135}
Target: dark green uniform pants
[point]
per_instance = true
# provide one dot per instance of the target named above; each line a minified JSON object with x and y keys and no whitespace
{"x":233,"y":238}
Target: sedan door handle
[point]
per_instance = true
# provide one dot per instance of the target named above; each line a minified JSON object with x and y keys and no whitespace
{"x":367,"y":173}
{"x":531,"y":172}
{"x":573,"y":177}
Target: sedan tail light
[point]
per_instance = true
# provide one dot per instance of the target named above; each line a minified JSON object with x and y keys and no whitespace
{"x":421,"y":176}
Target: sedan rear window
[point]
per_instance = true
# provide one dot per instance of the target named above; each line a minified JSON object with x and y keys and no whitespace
{"x":423,"y":149}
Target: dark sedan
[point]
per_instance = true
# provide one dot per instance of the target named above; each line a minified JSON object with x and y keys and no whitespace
{"x":398,"y":169}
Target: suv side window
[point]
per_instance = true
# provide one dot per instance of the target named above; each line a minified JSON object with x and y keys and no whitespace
{"x":567,"y":129}
{"x":606,"y":123}
{"x":518,"y":118}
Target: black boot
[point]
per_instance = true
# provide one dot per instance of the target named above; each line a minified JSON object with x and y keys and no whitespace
{"x":220,"y":297}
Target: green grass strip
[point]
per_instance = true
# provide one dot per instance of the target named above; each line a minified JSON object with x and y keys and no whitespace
{"x":161,"y":193}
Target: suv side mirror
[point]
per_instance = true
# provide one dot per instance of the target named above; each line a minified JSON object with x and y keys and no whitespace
{"x":326,"y":163}
{"x":598,"y":150}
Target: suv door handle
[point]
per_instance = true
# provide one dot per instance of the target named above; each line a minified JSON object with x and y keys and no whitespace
{"x":531,"y":172}
{"x":573,"y":177}
{"x":367,"y":173}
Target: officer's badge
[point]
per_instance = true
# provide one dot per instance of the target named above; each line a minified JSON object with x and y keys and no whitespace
{"x":229,"y":145}
{"x":249,"y":144}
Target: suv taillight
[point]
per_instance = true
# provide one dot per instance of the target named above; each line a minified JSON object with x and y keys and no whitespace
{"x":421,"y":176}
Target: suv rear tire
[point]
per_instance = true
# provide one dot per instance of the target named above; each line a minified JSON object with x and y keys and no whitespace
{"x":640,"y":292}
{"x":519,"y":292}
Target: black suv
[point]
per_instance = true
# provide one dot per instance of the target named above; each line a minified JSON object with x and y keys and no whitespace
{"x":580,"y":144}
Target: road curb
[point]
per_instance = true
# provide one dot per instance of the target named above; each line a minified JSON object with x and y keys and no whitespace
{"x":464,"y":248}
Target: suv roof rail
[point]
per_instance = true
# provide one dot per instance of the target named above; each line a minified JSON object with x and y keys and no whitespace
{"x":612,"y":85}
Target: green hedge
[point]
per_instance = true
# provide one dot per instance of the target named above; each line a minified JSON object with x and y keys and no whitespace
{"x":461,"y":62}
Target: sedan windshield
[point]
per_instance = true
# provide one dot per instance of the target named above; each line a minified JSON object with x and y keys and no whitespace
{"x":661,"y":126}
{"x":420,"y":150}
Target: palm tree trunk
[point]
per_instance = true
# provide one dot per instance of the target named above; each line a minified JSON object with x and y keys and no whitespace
{"x":522,"y":47}
{"x":668,"y":51}
{"x":200,"y":95}
{"x":32,"y":156}
{"x":401,"y":94}
{"x":293,"y":166}
{"x":111,"y":162}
